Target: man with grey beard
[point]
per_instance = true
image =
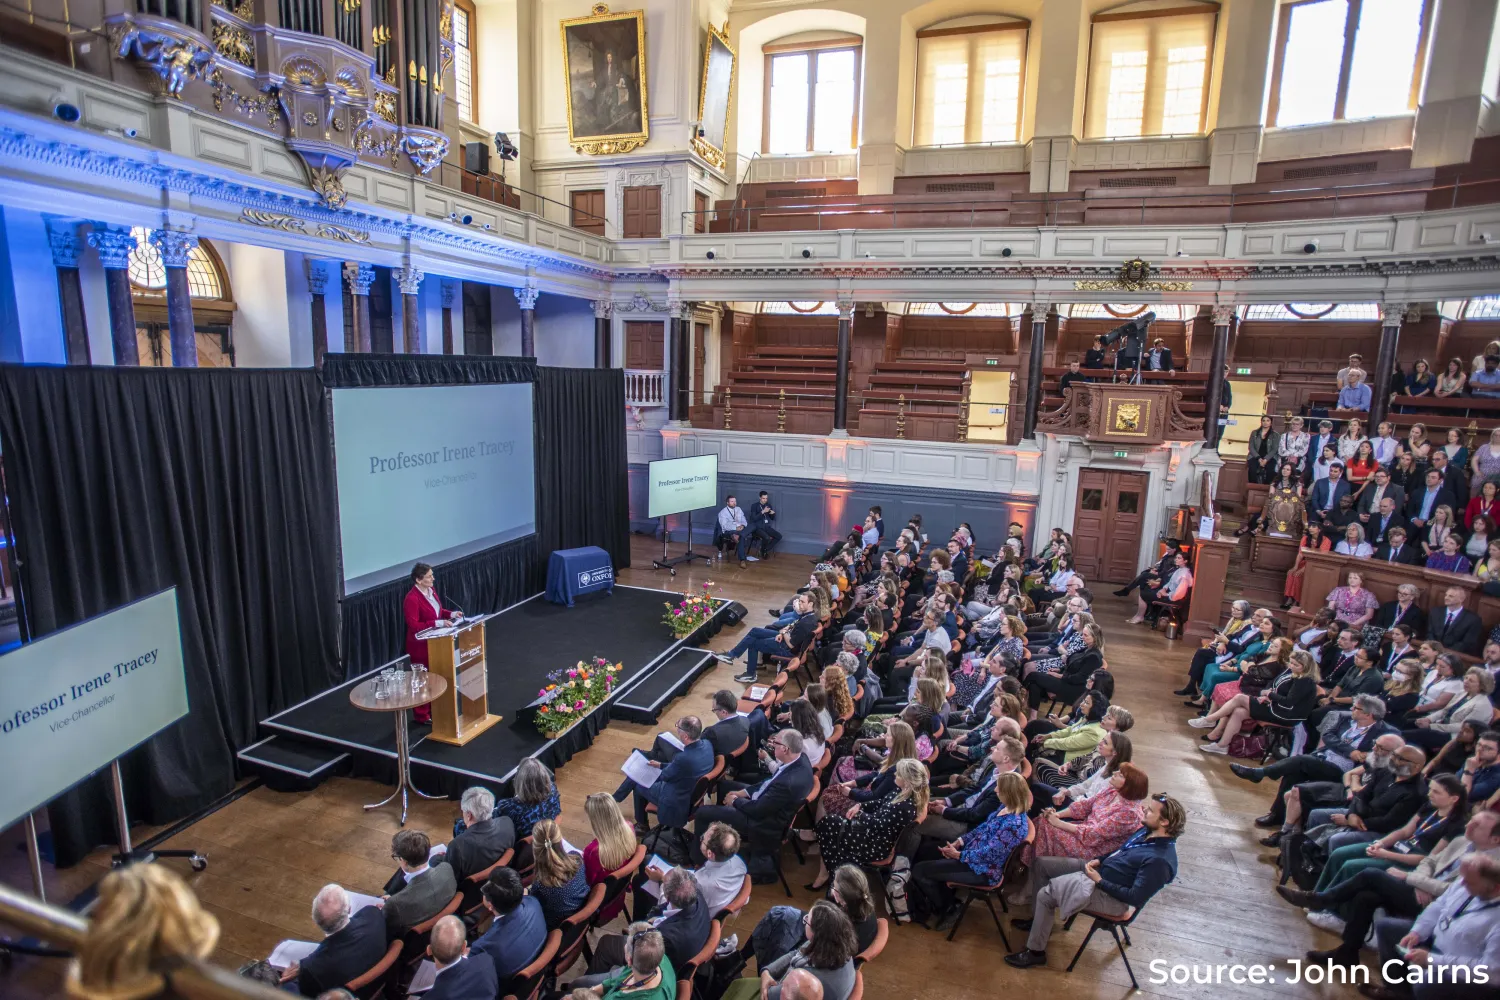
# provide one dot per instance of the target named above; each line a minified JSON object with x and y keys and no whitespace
{"x":1318,"y":801}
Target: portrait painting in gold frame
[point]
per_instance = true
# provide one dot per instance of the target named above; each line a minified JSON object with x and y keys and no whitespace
{"x":604,"y":60}
{"x":715,"y":96}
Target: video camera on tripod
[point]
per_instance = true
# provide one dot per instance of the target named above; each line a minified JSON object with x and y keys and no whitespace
{"x":1131,"y":336}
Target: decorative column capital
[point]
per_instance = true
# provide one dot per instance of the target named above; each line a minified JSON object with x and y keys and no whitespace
{"x":359,"y":277}
{"x":1223,"y":315}
{"x":846,"y":308}
{"x":174,"y":246}
{"x":113,"y":246}
{"x":1039,"y":311}
{"x":526,"y":295}
{"x":603,"y":308}
{"x":409,"y":279}
{"x":1392,"y":313}
{"x":450,"y":293}
{"x":317,"y":277}
{"x":62,"y":237}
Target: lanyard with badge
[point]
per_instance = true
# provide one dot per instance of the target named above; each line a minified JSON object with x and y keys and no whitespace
{"x":1447,"y":922}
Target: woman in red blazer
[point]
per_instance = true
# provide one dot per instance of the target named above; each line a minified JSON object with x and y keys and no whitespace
{"x":422,"y":610}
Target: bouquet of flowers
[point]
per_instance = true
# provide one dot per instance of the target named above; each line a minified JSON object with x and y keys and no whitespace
{"x":574,"y":692}
{"x":683,"y":619}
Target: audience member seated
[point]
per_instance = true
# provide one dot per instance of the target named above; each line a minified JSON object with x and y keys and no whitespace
{"x":721,"y":876}
{"x":672,"y":792}
{"x":762,"y":812}
{"x":519,"y":928}
{"x":353,"y":943}
{"x":419,"y":890}
{"x":1083,"y":776}
{"x":1288,"y":698}
{"x":1454,"y":625}
{"x":767,"y":642}
{"x":461,"y":975}
{"x":1422,"y":504}
{"x":1431,"y":731}
{"x":1437,"y":953}
{"x":1316,"y":803}
{"x":1258,"y":646}
{"x":1342,"y":739}
{"x":682,"y":918}
{"x":1241,"y":629}
{"x":783,"y":929}
{"x":1353,"y":603}
{"x":1355,"y":395}
{"x":1403,"y":688}
{"x":1172,"y":590}
{"x":533,"y":799}
{"x":1069,"y":682}
{"x":1078,"y":736}
{"x":560,"y":884}
{"x":647,"y":973}
{"x":1114,"y":882}
{"x":1402,"y":611}
{"x":485,"y":836}
{"x":975,"y":799}
{"x":869,"y":831}
{"x":977,"y":856}
{"x":1449,"y":559}
{"x":1161,"y":571}
{"x":1091,"y":827}
{"x":611,"y":849}
{"x":828,"y":955}
{"x":1481,"y":772}
{"x":1362,"y":676}
{"x":1314,"y":539}
{"x":1327,"y":491}
{"x":853,"y":785}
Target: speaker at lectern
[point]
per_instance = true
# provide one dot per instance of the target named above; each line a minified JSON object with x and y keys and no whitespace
{"x":456,"y":653}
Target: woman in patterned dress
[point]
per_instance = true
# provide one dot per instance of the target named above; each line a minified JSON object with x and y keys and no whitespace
{"x":1092,"y":827}
{"x":868,"y":832}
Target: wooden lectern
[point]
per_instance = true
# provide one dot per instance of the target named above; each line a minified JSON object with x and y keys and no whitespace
{"x":457,"y":655}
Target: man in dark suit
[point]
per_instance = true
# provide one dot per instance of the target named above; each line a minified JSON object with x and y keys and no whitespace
{"x":460,"y":975}
{"x":952,"y":817}
{"x":1403,"y":610}
{"x":419,"y":891}
{"x":1454,"y":625}
{"x":762,"y":524}
{"x":1421,"y":504}
{"x":1379,"y":489}
{"x":1397,"y":549}
{"x":352,"y":944}
{"x":1454,"y":479}
{"x":1325,"y":436}
{"x":1159,"y":358}
{"x":1326,"y":493}
{"x":672,"y":792}
{"x":681,"y":917}
{"x":485,"y":838}
{"x":1338,"y":657}
{"x":761,"y":812}
{"x":519,"y":930}
{"x":1387,"y":516}
{"x":729,"y":733}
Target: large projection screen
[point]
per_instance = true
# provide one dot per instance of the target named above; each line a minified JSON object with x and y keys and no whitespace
{"x":73,"y":701}
{"x":682,"y":484}
{"x":430,"y":474}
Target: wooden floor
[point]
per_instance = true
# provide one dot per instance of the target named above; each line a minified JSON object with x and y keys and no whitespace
{"x":269,"y":853}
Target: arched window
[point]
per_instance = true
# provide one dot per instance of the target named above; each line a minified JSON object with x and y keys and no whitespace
{"x":970,"y":76}
{"x":147,"y":273}
{"x":812,"y":95}
{"x":213,"y":303}
{"x":1340,"y":59}
{"x":1148,"y":69}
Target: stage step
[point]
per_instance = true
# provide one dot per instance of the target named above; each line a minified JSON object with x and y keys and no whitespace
{"x":645,"y":700}
{"x":287,"y":764}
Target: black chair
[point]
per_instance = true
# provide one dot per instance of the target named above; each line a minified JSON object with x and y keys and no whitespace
{"x":1118,"y":929}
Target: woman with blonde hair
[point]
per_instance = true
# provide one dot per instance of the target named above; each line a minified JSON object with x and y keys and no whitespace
{"x":854,"y":785}
{"x":868,"y":832}
{"x":560,"y":885}
{"x":1290,"y":698}
{"x":146,"y":918}
{"x":836,"y":687}
{"x":931,"y":696}
{"x":1438,"y":529}
{"x":612,"y":848}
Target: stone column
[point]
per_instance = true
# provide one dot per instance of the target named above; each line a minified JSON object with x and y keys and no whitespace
{"x":1391,"y":314}
{"x":602,"y":311}
{"x":450,"y":295}
{"x":527,"y":297}
{"x":175,"y":247}
{"x":1216,"y":360}
{"x":62,"y":236}
{"x":114,"y":247}
{"x":360,"y":277}
{"x":1034,"y":367}
{"x":1459,"y":88}
{"x":1234,"y":143}
{"x":317,"y":284}
{"x":841,"y":380}
{"x":410,"y":280}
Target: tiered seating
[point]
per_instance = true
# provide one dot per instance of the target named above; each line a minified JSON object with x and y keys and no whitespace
{"x":934,"y":399}
{"x":806,"y":375}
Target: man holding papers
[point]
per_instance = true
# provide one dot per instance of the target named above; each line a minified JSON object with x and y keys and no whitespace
{"x":670,"y":786}
{"x":352,"y":944}
{"x":760,"y":813}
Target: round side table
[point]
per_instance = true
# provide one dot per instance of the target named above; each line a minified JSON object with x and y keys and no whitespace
{"x":362,"y":696}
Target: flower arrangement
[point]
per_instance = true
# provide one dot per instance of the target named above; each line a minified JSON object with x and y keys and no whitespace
{"x":574,"y":692}
{"x":683,"y":619}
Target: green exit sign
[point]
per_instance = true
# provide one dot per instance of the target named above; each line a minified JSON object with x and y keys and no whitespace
{"x":1242,"y":371}
{"x":1122,"y":453}
{"x":992,"y":361}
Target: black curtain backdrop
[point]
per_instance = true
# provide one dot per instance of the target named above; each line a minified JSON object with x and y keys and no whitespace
{"x":582,"y":496}
{"x":125,"y":481}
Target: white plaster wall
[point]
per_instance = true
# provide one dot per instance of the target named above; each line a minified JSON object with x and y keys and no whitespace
{"x":30,"y":315}
{"x":262,"y":327}
{"x":564,"y":332}
{"x":505,"y":321}
{"x":299,"y":311}
{"x":96,"y":309}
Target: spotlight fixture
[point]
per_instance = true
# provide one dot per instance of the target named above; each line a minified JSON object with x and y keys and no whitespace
{"x":1488,"y":239}
{"x":1005,"y":251}
{"x":467,"y":220}
{"x":710,"y":255}
{"x":65,"y":112}
{"x":1310,"y":247}
{"x":1182,"y":253}
{"x":806,"y":252}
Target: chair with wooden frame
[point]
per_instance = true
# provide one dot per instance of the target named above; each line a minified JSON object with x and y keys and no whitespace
{"x":690,"y":968}
{"x":858,"y":993}
{"x":617,"y":883}
{"x":1118,"y":927}
{"x":575,"y":932}
{"x":786,"y":835}
{"x":473,"y":901}
{"x":737,"y":903}
{"x":989,"y":892}
{"x":370,"y":985}
{"x":527,"y":984}
{"x":882,"y":935}
{"x":414,"y":938}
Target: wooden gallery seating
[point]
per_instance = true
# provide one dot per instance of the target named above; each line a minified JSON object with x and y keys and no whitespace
{"x":1192,"y":384}
{"x":1327,"y":570}
{"x":932,"y":391}
{"x":755,"y":388}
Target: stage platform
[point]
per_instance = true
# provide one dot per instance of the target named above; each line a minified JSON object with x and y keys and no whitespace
{"x":326,"y":734}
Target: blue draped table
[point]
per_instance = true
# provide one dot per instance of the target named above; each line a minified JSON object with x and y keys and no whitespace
{"x":571,"y":572}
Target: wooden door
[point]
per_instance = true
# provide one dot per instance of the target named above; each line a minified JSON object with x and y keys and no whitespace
{"x":382,"y":313}
{"x":700,"y":212}
{"x":642,"y":215}
{"x":645,"y":345}
{"x":479,"y":337}
{"x":1107,"y":524}
{"x":700,"y":357}
{"x":587,"y":211}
